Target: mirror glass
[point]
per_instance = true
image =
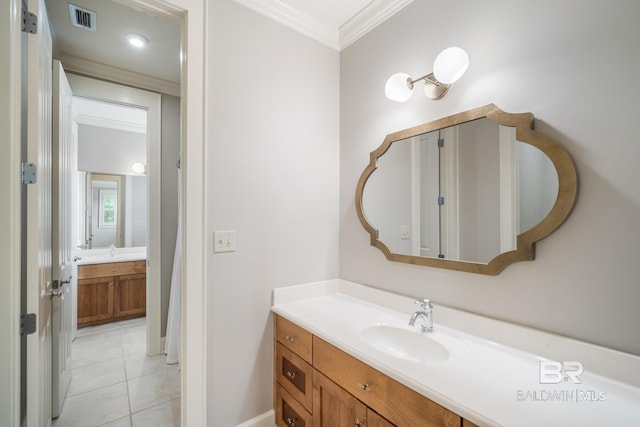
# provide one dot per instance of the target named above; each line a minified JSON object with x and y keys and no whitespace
{"x":470,"y":192}
{"x":463,"y":193}
{"x":112,"y":182}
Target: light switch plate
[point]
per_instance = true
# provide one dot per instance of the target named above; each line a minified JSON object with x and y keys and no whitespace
{"x":224,"y":241}
{"x":405,"y":232}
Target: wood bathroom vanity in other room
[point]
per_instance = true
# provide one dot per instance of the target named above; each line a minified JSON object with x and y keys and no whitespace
{"x":111,"y":291}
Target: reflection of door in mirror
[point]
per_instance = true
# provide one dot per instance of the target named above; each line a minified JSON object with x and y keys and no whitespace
{"x":111,"y":157}
{"x":104,"y":216}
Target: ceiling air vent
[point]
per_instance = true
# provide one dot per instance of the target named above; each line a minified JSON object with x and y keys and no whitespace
{"x":82,"y":18}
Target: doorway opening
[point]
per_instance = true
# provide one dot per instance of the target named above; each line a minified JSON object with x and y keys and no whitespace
{"x":109,"y":214}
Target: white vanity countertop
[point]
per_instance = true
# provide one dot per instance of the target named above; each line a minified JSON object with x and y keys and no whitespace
{"x":493,"y":374}
{"x":103,"y":255}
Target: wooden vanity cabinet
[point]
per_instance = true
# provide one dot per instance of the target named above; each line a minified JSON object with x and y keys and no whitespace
{"x":293,"y":374}
{"x":131,"y":296}
{"x":95,"y":300}
{"x":394,"y":401}
{"x":111,"y":291}
{"x":333,"y":406}
{"x":344,"y":391}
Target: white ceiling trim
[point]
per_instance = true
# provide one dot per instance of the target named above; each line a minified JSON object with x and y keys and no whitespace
{"x":364,"y":21}
{"x":87,"y":119}
{"x":296,"y":20}
{"x":370,"y":17}
{"x":117,"y":75}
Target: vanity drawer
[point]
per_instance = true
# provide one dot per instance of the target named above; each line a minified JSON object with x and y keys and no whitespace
{"x":294,"y":338}
{"x":394,"y":401}
{"x":91,"y":271}
{"x":295,"y":375}
{"x":290,"y":413}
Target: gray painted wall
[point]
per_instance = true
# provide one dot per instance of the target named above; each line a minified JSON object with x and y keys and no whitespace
{"x":273,"y":176}
{"x":540,"y":58}
{"x":106,"y":150}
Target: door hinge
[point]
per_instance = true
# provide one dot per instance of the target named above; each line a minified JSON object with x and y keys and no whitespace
{"x":29,"y":173}
{"x":440,"y":201}
{"x":29,"y":22}
{"x":28,"y":324}
{"x":440,"y":143}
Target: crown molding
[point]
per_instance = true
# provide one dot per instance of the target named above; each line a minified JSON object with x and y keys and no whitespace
{"x":364,"y":21}
{"x":294,"y":19}
{"x":369,"y":18}
{"x":87,"y":119}
{"x":76,"y":65}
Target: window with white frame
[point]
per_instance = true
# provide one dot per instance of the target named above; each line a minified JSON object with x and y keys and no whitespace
{"x":108,"y":209}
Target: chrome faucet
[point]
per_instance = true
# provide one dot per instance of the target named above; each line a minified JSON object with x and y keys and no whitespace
{"x":112,"y":250}
{"x":425,"y":312}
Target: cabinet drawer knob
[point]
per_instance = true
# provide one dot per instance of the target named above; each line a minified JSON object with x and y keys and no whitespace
{"x":290,"y":338}
{"x":291,"y":375}
{"x":365,"y":387}
{"x":291,"y":422}
{"x":358,"y":422}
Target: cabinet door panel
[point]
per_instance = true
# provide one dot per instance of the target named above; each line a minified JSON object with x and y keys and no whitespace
{"x":95,"y":300}
{"x":295,"y":375}
{"x":375,"y":420}
{"x":289,"y":413}
{"x":131,"y":295}
{"x":334,"y":407}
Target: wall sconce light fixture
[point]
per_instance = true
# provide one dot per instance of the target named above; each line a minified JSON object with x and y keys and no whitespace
{"x":449,"y":66}
{"x":139,"y":168}
{"x":137,"y":41}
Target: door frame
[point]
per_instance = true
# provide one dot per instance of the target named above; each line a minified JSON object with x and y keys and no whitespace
{"x":87,"y":87}
{"x":193,"y":15}
{"x":10,"y":215}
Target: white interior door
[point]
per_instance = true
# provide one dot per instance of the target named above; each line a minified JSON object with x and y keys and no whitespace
{"x":63,"y":168}
{"x":38,"y":221}
{"x":450,"y":190}
{"x":429,"y":177}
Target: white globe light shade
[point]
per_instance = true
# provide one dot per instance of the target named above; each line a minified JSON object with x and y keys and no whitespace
{"x":450,"y":65}
{"x":138,"y":167}
{"x":396,"y":88}
{"x":137,"y":41}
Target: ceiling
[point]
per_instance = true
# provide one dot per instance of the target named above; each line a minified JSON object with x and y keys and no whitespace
{"x":108,"y":44}
{"x":335,"y":23}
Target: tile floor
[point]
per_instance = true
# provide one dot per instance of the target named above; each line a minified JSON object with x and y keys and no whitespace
{"x":115,"y":384}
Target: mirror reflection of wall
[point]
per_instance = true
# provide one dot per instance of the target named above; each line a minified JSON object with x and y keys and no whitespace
{"x":111,"y":160}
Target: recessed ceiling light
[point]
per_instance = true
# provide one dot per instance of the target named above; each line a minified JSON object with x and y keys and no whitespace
{"x":136,"y":40}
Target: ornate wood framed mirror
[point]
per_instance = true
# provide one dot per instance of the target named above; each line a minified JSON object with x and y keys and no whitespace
{"x":471,"y":192}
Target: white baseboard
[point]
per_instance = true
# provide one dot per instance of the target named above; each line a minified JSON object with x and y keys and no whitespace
{"x":264,"y":420}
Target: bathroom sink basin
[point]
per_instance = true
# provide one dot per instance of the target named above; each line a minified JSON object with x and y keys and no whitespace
{"x":405,"y":343}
